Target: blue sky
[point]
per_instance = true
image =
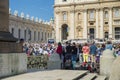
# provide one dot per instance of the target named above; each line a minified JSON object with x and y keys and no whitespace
{"x":38,"y":8}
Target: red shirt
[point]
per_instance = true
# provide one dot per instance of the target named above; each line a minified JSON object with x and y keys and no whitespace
{"x":85,"y":49}
{"x":59,"y":50}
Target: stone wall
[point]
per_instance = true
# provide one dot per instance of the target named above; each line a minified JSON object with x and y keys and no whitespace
{"x":10,"y":47}
{"x":12,"y":64}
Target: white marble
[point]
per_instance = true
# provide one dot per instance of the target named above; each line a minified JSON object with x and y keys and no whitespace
{"x":12,"y":63}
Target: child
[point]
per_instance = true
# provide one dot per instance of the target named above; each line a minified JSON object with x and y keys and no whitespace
{"x":98,"y":54}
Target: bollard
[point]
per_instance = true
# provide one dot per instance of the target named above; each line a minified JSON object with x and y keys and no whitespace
{"x":115,"y":71}
{"x":106,"y":61}
{"x":54,"y":62}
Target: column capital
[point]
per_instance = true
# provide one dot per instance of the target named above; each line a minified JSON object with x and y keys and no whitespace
{"x":72,"y":11}
{"x":57,"y":12}
{"x":101,"y":8}
{"x":97,"y":9}
{"x":110,"y":8}
{"x":84,"y":10}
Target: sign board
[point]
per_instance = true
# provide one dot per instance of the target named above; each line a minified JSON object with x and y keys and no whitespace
{"x":51,"y":41}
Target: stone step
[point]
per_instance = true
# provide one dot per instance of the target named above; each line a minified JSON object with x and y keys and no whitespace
{"x":89,"y":76}
{"x":50,"y":75}
{"x":101,"y":78}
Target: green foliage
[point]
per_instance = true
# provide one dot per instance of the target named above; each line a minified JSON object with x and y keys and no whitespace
{"x":37,"y":62}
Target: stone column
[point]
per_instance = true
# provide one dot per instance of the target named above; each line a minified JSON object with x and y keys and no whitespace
{"x":97,"y":25}
{"x":4,"y":11}
{"x":12,"y":59}
{"x":85,"y":24}
{"x":72,"y":24}
{"x":101,"y":24}
{"x":110,"y":22}
{"x":60,"y":36}
{"x":57,"y":28}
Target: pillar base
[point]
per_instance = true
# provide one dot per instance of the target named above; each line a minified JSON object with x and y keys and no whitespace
{"x":7,"y":37}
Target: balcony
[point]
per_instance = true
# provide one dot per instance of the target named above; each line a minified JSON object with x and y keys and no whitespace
{"x":116,"y":18}
{"x":91,"y":20}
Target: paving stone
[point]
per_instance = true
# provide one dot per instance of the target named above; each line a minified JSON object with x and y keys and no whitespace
{"x":49,"y":75}
{"x":101,"y":78}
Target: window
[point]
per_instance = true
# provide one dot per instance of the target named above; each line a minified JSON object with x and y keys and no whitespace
{"x":91,"y":23}
{"x":91,"y":14}
{"x":91,"y":31}
{"x":25,"y":34}
{"x":19,"y":32}
{"x":64,"y":16}
{"x":45,"y":35}
{"x":34,"y":35}
{"x":38,"y":36}
{"x":79,"y":16}
{"x":106,"y":22}
{"x":29,"y":32}
{"x":12,"y":31}
{"x":106,"y":14}
{"x":42,"y":36}
{"x":117,"y":33}
{"x":116,"y":12}
{"x":48,"y":35}
{"x":106,"y":35}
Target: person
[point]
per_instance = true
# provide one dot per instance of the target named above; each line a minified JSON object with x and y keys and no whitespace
{"x":109,"y":45}
{"x":68,"y":48}
{"x":86,"y":51}
{"x":59,"y":50}
{"x":79,"y":53}
{"x":98,"y":53}
{"x":93,"y":50}
{"x":102,"y":47}
{"x":74,"y":55}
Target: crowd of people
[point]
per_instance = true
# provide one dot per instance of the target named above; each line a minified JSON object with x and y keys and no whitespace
{"x":86,"y":52}
{"x":35,"y":49}
{"x":75,"y":52}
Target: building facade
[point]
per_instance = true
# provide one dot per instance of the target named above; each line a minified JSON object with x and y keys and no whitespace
{"x":31,"y":30}
{"x":87,"y":19}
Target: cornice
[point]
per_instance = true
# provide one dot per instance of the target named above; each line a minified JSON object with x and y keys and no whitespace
{"x":83,"y":3}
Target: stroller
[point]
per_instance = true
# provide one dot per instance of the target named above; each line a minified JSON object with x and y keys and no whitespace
{"x":67,"y":61}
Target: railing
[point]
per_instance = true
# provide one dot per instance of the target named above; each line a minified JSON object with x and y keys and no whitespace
{"x":37,"y":62}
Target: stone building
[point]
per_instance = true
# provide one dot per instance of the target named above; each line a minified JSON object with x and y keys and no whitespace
{"x":30,"y":29}
{"x":87,"y":19}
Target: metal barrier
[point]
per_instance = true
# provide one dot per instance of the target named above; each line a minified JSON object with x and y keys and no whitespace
{"x":37,"y":62}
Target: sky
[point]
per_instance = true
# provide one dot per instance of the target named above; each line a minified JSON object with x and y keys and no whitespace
{"x":38,"y":8}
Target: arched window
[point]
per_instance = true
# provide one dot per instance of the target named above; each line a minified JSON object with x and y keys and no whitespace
{"x":106,"y":35}
{"x":34,"y":35}
{"x":25,"y":34}
{"x":79,"y":16}
{"x":12,"y":31}
{"x":19,"y":32}
{"x":42,"y":36}
{"x":117,"y":33}
{"x":45,"y":36}
{"x":29,"y":34}
{"x":38,"y":36}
